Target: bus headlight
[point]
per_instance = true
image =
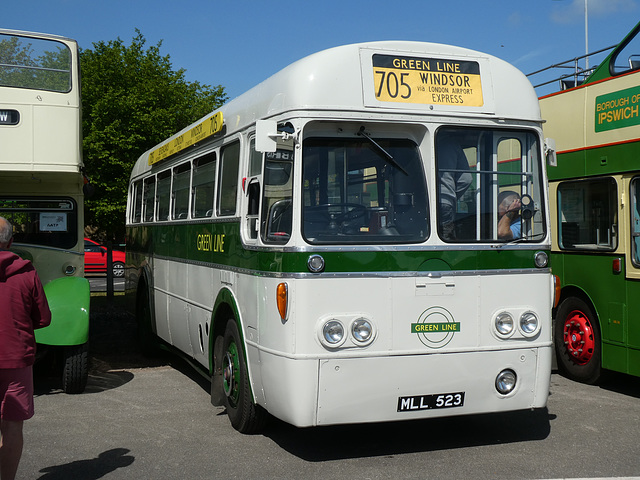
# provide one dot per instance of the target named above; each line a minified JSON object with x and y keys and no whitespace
{"x":506,"y":381}
{"x":504,"y":324}
{"x":333,"y":333}
{"x":529,"y":324}
{"x":69,"y":269}
{"x":362,"y":331}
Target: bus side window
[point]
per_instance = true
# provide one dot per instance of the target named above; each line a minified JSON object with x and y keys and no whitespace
{"x":635,"y":220}
{"x":277,"y":212}
{"x":587,"y":212}
{"x":251,"y":185}
{"x":228,"y":179}
{"x":137,"y":202}
{"x":204,"y":174}
{"x":180,"y":191}
{"x":163,"y":196}
{"x":149,"y":198}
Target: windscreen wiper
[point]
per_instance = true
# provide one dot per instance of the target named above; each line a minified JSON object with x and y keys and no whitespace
{"x":389,"y":157}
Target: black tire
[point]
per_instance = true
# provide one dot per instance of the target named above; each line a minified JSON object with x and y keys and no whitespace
{"x":75,"y":368}
{"x":577,"y":341}
{"x":118,"y":269}
{"x":245,"y":416}
{"x":146,"y":337}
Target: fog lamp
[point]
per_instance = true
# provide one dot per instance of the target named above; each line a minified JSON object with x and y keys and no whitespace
{"x":506,"y":381}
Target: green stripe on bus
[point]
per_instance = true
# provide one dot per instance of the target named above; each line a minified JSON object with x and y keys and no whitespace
{"x":219,"y":244}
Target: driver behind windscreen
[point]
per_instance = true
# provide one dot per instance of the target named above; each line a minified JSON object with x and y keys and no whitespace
{"x":509,"y":224}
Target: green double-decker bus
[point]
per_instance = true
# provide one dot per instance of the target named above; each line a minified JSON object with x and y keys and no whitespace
{"x":595,"y":215}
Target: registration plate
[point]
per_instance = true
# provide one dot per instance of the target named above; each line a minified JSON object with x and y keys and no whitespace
{"x":428,"y":402}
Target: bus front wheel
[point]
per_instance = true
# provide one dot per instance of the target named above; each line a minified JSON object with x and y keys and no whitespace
{"x":577,"y":341}
{"x":75,"y":368}
{"x":245,"y":416}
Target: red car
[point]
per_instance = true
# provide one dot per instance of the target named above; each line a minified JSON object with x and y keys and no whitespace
{"x":95,"y":259}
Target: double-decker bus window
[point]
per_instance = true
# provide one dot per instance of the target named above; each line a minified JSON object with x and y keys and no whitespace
{"x":42,"y":221}
{"x":635,"y":221}
{"x":34,"y":63}
{"x":163,"y":195}
{"x":228,"y":179}
{"x":587,"y":215}
{"x":204,"y":176}
{"x":180,"y":191}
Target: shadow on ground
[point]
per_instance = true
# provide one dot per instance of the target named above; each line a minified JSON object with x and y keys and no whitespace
{"x":114,"y":350}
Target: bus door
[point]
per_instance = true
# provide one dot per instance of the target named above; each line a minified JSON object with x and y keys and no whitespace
{"x":633,"y":276}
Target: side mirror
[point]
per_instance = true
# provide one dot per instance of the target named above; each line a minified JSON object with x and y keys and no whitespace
{"x":550,"y":152}
{"x":266,"y":135}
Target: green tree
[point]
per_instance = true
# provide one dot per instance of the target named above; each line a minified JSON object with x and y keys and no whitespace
{"x":132,"y":99}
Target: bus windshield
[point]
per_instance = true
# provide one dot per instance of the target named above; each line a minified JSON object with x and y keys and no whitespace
{"x":34,"y":63}
{"x":358,"y":191}
{"x":489,"y":185}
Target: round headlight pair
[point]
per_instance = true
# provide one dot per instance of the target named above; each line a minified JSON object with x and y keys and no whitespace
{"x":334,"y":333}
{"x":528,"y":324}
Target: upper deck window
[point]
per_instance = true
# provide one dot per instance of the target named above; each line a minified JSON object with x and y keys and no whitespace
{"x":357,"y":192}
{"x":34,"y":63}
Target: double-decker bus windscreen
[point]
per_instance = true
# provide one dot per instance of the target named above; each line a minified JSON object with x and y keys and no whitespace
{"x":34,"y":63}
{"x":361,"y":191}
{"x":49,"y":222}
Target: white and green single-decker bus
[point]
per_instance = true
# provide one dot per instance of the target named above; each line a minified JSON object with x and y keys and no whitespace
{"x":328,"y":249}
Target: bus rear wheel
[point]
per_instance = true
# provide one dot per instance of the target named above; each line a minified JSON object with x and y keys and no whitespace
{"x":245,"y":416}
{"x":577,"y":341}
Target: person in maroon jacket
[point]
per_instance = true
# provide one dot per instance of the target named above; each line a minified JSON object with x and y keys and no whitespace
{"x":23,"y":308}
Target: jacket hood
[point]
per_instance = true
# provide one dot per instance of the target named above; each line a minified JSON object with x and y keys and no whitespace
{"x":10,"y":264}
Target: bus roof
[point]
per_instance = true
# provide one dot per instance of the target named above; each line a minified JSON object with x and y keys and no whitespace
{"x":344,"y":79}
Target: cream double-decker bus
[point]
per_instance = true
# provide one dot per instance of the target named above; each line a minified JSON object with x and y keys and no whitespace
{"x":41,"y":185}
{"x":362,"y":237}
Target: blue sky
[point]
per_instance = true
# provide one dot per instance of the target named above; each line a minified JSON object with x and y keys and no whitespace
{"x":239,"y":43}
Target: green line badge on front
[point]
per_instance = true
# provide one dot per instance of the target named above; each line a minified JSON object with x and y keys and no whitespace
{"x":435,"y":327}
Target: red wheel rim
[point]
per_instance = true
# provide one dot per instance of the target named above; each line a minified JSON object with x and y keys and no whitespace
{"x":578,"y":337}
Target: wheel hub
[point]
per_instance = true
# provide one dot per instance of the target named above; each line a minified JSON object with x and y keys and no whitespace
{"x":228,"y":375}
{"x":578,"y":337}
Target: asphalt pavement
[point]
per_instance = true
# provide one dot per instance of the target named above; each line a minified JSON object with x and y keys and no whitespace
{"x":151,"y":418}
